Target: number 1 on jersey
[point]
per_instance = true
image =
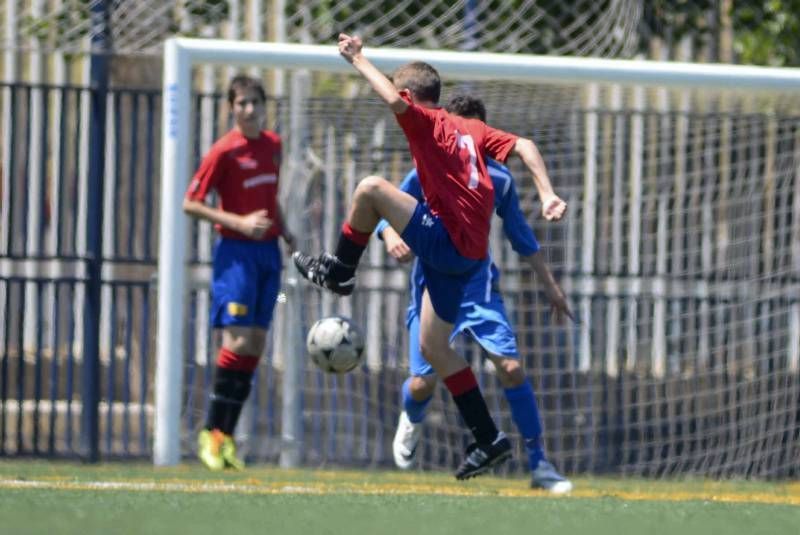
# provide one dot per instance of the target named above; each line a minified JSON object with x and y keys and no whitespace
{"x":467,"y":143}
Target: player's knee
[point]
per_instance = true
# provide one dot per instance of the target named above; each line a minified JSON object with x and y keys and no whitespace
{"x":236,"y":344}
{"x":244,"y":343}
{"x":370,"y":186}
{"x":247,"y":347}
{"x":421,"y":387}
{"x":509,"y":372}
{"x":432,"y":351}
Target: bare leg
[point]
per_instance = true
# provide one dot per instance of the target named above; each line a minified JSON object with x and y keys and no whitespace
{"x":509,"y":371}
{"x":244,"y":340}
{"x":457,"y":375}
{"x":421,"y":387}
{"x":434,"y":339}
{"x":374,"y":198}
{"x":377,"y":198}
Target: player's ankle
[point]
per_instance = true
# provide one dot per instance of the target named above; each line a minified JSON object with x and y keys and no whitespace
{"x":351,"y":245}
{"x":341,"y":271}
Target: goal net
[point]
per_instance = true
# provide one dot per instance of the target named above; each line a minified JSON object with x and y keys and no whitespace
{"x":606,"y":28}
{"x":680,"y":254}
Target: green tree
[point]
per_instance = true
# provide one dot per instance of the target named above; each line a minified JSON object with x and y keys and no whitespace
{"x":673,"y":19}
{"x":767,"y":32}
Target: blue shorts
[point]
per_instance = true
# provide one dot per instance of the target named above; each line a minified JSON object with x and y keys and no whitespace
{"x":485,"y":322}
{"x":446,"y":271}
{"x":245,"y":282}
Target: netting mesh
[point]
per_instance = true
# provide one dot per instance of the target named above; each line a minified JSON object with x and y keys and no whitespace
{"x":575,"y":27}
{"x":679,"y":255}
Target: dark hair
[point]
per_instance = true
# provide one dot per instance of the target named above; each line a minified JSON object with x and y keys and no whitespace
{"x":420,"y":78}
{"x":242,"y":82}
{"x":467,"y":106}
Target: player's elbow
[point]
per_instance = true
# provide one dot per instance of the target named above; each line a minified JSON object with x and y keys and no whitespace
{"x":189,"y":206}
{"x":524,"y":146}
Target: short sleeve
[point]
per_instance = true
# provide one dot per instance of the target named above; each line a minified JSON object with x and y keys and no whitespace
{"x":498,"y":143}
{"x":207,"y":176}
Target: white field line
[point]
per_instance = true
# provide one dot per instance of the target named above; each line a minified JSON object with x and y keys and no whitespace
{"x":386,"y":489}
{"x":199,"y":487}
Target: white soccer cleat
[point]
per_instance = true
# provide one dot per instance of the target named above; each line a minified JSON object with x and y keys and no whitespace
{"x":405,"y":442}
{"x":547,"y":477}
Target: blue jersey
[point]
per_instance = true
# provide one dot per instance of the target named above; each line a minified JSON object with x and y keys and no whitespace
{"x":515,"y":227}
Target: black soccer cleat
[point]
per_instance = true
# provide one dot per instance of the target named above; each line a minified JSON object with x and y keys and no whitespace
{"x":326,"y":271}
{"x":481,"y":457}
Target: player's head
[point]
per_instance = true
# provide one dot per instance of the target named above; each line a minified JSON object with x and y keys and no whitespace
{"x":247,"y":97}
{"x":243,"y":83}
{"x":421,"y":80}
{"x":467,"y":106}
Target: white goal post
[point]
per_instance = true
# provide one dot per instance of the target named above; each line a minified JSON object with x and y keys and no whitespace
{"x":181,"y":55}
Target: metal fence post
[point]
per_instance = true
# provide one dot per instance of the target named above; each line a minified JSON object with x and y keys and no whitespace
{"x":292,"y":413}
{"x":90,"y":373}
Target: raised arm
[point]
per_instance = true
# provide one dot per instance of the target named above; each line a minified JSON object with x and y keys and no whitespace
{"x":553,"y":207}
{"x":350,"y":49}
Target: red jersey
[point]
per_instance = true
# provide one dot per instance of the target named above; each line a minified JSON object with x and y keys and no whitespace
{"x":448,"y":153}
{"x":244,"y":172}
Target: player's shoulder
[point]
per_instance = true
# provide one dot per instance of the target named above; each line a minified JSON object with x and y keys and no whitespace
{"x":474,"y":126}
{"x":271,"y":135}
{"x":461,"y":122}
{"x":230,"y":141}
{"x":436,"y":113}
{"x":414,"y":110}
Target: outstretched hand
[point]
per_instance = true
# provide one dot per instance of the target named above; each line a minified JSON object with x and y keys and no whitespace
{"x":558,"y":303}
{"x":553,"y":208}
{"x":554,"y":293}
{"x":349,"y":47}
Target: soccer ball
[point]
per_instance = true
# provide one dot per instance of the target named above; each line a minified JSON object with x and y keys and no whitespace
{"x":335,"y":344}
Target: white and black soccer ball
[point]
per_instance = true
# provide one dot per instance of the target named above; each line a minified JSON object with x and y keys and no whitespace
{"x":335,"y":344}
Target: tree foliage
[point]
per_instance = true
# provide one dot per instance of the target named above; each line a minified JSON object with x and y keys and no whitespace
{"x":767,"y":32}
{"x":673,"y":19}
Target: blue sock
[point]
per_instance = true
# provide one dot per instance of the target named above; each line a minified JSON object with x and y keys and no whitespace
{"x":414,"y":409}
{"x":525,"y":413}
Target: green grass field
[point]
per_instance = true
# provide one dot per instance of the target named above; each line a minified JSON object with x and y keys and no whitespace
{"x":64,"y":498}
